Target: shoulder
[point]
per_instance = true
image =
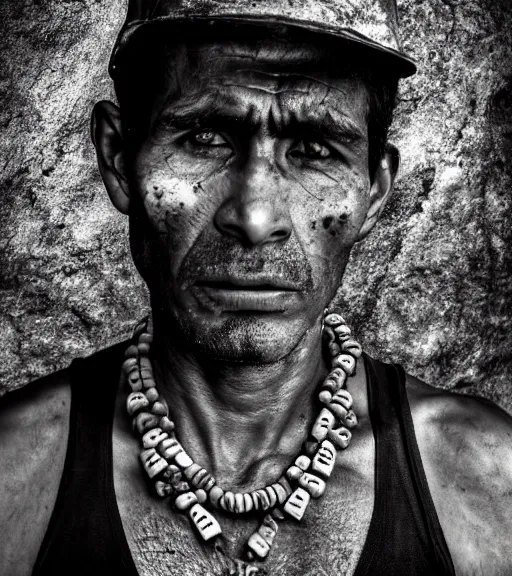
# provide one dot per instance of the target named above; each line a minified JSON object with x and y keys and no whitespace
{"x":34,"y":424}
{"x":466,"y":448}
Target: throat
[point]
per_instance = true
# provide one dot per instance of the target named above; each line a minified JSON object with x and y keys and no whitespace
{"x":242,"y":422}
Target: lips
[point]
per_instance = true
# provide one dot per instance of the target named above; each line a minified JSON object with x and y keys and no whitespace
{"x":250,"y":282}
{"x":249,"y":294}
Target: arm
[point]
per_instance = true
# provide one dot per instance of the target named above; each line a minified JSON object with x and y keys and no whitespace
{"x":34,"y":424}
{"x":466,"y":448}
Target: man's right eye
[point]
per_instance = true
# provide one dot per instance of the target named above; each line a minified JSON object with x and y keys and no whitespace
{"x":207,"y":138}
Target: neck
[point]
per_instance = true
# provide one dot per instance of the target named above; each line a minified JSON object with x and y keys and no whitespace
{"x":244,"y":423}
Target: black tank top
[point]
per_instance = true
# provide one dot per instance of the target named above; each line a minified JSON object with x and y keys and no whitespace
{"x":85,"y":535}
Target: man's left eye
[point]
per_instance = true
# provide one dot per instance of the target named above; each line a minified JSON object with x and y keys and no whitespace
{"x":311,"y":149}
{"x":208,"y":138}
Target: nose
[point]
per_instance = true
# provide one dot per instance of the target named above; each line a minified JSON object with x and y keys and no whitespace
{"x":256,"y":210}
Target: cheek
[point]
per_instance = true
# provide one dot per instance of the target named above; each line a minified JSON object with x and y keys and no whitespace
{"x":330,"y":223}
{"x":178,"y":209}
{"x":328,"y":227}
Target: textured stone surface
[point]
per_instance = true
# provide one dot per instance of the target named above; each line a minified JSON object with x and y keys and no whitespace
{"x":431,"y":288}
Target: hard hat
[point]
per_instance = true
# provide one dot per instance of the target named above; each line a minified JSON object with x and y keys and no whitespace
{"x":369,"y":23}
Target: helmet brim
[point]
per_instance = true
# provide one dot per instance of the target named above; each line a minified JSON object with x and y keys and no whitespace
{"x":398,"y":63}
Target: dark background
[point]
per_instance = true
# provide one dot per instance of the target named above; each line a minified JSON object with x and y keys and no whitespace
{"x":432,"y":286}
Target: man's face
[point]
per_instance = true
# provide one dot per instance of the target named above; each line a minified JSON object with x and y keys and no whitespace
{"x":255,"y":184}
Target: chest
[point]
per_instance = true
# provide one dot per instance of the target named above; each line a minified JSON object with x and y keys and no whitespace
{"x":328,"y":541}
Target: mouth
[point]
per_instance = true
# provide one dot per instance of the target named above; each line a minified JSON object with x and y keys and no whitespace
{"x":258,"y":295}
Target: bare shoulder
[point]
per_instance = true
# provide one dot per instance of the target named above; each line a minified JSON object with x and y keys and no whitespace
{"x":466,"y":448}
{"x":34,"y":423}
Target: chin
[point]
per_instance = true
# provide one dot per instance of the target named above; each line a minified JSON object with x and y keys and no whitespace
{"x":246,"y":339}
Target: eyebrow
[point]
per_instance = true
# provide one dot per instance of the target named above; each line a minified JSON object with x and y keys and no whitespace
{"x":215,"y":110}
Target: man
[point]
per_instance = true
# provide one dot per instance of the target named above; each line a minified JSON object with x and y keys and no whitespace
{"x":250,"y":153}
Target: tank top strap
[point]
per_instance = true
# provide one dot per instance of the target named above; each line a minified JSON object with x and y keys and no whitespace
{"x":82,"y":534}
{"x":405,"y":536}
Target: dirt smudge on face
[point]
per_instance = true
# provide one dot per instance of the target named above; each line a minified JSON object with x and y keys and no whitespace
{"x":327,"y":222}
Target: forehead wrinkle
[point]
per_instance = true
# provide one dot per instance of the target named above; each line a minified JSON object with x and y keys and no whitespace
{"x":204,"y":105}
{"x":290,"y":77}
{"x":285,"y":111}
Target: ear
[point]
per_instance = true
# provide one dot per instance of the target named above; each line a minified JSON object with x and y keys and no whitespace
{"x":382,"y":186}
{"x":107,"y":138}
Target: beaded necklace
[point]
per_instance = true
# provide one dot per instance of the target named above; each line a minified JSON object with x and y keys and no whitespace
{"x":193,"y":489}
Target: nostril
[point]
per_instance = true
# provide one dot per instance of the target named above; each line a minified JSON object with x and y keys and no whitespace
{"x":280,"y":235}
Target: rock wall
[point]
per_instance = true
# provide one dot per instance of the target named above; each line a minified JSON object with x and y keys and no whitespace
{"x":431,"y":288}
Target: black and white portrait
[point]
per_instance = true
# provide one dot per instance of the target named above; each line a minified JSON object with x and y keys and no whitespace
{"x":256,"y":288}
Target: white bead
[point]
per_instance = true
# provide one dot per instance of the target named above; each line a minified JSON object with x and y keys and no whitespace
{"x":166,"y":424}
{"x":136,"y":401}
{"x":258,"y":545}
{"x":201,"y":495}
{"x":340,"y":436}
{"x":129,"y":365}
{"x":335,"y":380}
{"x":315,"y":486}
{"x":153,"y":438}
{"x":303,"y":462}
{"x":272,"y":496}
{"x":264,"y":499}
{"x":169,"y":448}
{"x":350,"y":420}
{"x":346,"y":362}
{"x":152,"y":461}
{"x":324,"y":459}
{"x":133,"y":378}
{"x":248,"y":503}
{"x":286,"y":485}
{"x":352,"y":347}
{"x":297,"y":503}
{"x":270,"y":522}
{"x":152,"y":394}
{"x":215,"y":494}
{"x":333,"y":320}
{"x":160,"y":409}
{"x":145,"y":338}
{"x":229,"y":501}
{"x":131,"y":352}
{"x":267,"y":533}
{"x":183,"y":460}
{"x":173,"y":473}
{"x":184,"y":501}
{"x":324,"y":422}
{"x":280,"y":492}
{"x":342,"y":332}
{"x":344,"y":398}
{"x":239,"y":503}
{"x":294,"y":472}
{"x":325,"y":397}
{"x":143,"y":348}
{"x":144,"y":422}
{"x":338,"y":410}
{"x":163,"y":489}
{"x":256,"y":500}
{"x":209,"y":484}
{"x":192,"y":470}
{"x":204,"y":522}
